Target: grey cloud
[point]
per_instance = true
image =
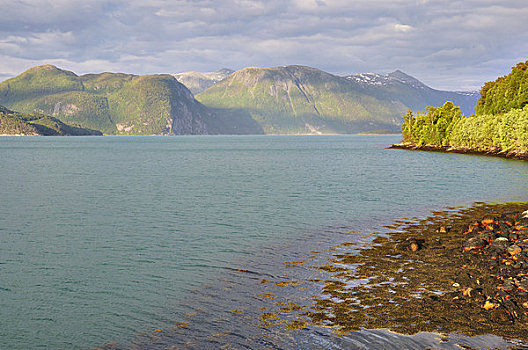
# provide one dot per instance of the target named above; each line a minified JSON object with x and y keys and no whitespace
{"x":447,"y":44}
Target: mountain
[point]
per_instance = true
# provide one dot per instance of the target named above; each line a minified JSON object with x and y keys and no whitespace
{"x":198,"y":82}
{"x":299,"y":99}
{"x":288,"y":99}
{"x":114,"y":103}
{"x":412,"y":92}
{"x":14,"y":123}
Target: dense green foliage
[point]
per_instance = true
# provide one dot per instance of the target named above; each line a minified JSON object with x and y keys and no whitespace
{"x":500,"y":124}
{"x":434,"y":127}
{"x":508,"y":131}
{"x":14,"y":123}
{"x":505,"y":93}
{"x":114,"y":103}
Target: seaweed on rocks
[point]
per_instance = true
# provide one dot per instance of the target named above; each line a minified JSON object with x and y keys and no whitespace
{"x":462,"y":272}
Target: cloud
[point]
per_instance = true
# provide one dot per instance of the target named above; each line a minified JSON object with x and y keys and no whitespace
{"x":404,"y":28}
{"x":446,"y":44}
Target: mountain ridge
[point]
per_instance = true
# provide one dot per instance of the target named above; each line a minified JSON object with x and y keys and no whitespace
{"x":200,"y":81}
{"x":301,"y":99}
{"x":115,"y":103}
{"x":20,"y":124}
{"x":254,"y":100}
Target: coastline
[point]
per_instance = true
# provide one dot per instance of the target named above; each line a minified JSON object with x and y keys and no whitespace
{"x":459,"y":271}
{"x":376,"y":293}
{"x":510,"y":154}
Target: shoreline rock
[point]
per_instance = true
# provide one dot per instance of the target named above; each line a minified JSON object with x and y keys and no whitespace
{"x":461,"y":271}
{"x":493,"y":152}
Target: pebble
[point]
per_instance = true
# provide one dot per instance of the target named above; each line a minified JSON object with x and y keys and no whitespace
{"x":514,"y":249}
{"x":474,"y":243}
{"x":522,"y":285}
{"x":500,"y":243}
{"x":490,"y":304}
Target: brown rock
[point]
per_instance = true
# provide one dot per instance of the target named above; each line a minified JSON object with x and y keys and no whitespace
{"x":443,"y":229}
{"x":474,"y":243}
{"x":514,"y":249}
{"x":522,"y":285}
{"x":488,"y":220}
{"x":490,"y":304}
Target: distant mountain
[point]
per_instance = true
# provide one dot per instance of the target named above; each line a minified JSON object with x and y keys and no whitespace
{"x":299,"y":99}
{"x":412,"y":92}
{"x":114,"y":103}
{"x":198,"y":82}
{"x":14,"y":123}
{"x":281,"y":100}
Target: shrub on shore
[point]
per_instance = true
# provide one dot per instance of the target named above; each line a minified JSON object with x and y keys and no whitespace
{"x":500,"y":122}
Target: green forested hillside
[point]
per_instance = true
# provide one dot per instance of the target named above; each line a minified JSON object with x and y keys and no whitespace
{"x":505,"y":93}
{"x":297,"y":99}
{"x":282,"y":100}
{"x":500,"y":122}
{"x":114,"y":103}
{"x":14,"y":123}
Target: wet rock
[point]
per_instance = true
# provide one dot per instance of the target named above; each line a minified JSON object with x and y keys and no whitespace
{"x":504,"y":227}
{"x":490,"y":304}
{"x":443,"y":229}
{"x":522,"y":285}
{"x":510,"y":221}
{"x":412,"y":244}
{"x":522,"y":222}
{"x":474,"y":243}
{"x":488,"y":236}
{"x":488,"y":220}
{"x":514,"y":249}
{"x":493,"y":227}
{"x":500,"y":243}
{"x":467,"y":292}
{"x":476,"y":227}
{"x":513,"y":236}
{"x":507,"y":286}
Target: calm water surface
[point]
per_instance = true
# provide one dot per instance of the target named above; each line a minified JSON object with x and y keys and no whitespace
{"x":102,"y":238}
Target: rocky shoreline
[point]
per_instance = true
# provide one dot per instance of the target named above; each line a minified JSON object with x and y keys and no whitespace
{"x":494,"y":152}
{"x":460,"y":271}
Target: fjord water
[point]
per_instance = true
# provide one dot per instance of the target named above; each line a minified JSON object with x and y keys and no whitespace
{"x":105,"y":237}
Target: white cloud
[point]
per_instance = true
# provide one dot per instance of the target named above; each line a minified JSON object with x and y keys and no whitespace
{"x":404,"y":28}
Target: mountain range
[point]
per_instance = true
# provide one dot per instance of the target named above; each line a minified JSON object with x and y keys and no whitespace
{"x":281,"y":100}
{"x":114,"y":103}
{"x":198,"y":82}
{"x":298,"y":99}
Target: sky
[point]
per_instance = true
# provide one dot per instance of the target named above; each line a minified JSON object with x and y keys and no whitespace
{"x":449,"y":45}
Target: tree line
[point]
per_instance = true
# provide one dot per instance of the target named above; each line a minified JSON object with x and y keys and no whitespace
{"x":500,"y":121}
